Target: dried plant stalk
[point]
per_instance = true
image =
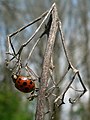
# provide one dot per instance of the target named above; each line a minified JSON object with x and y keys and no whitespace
{"x":46,"y":65}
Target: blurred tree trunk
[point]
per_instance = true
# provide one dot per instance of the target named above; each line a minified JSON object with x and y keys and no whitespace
{"x":85,"y":21}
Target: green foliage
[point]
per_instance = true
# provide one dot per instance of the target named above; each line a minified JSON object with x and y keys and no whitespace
{"x":81,"y":112}
{"x":11,"y":105}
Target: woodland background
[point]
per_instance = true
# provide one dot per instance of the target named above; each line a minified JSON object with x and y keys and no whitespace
{"x":75,"y":18}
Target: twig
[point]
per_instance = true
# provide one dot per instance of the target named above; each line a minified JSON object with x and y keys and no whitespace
{"x":24,"y":44}
{"x":21,"y":29}
{"x":46,"y":65}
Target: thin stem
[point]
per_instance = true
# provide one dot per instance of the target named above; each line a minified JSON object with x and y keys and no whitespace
{"x":32,"y":50}
{"x":34,"y":21}
{"x":21,"y":48}
{"x":63,"y":41}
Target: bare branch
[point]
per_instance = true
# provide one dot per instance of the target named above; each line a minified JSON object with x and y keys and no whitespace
{"x":46,"y":65}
